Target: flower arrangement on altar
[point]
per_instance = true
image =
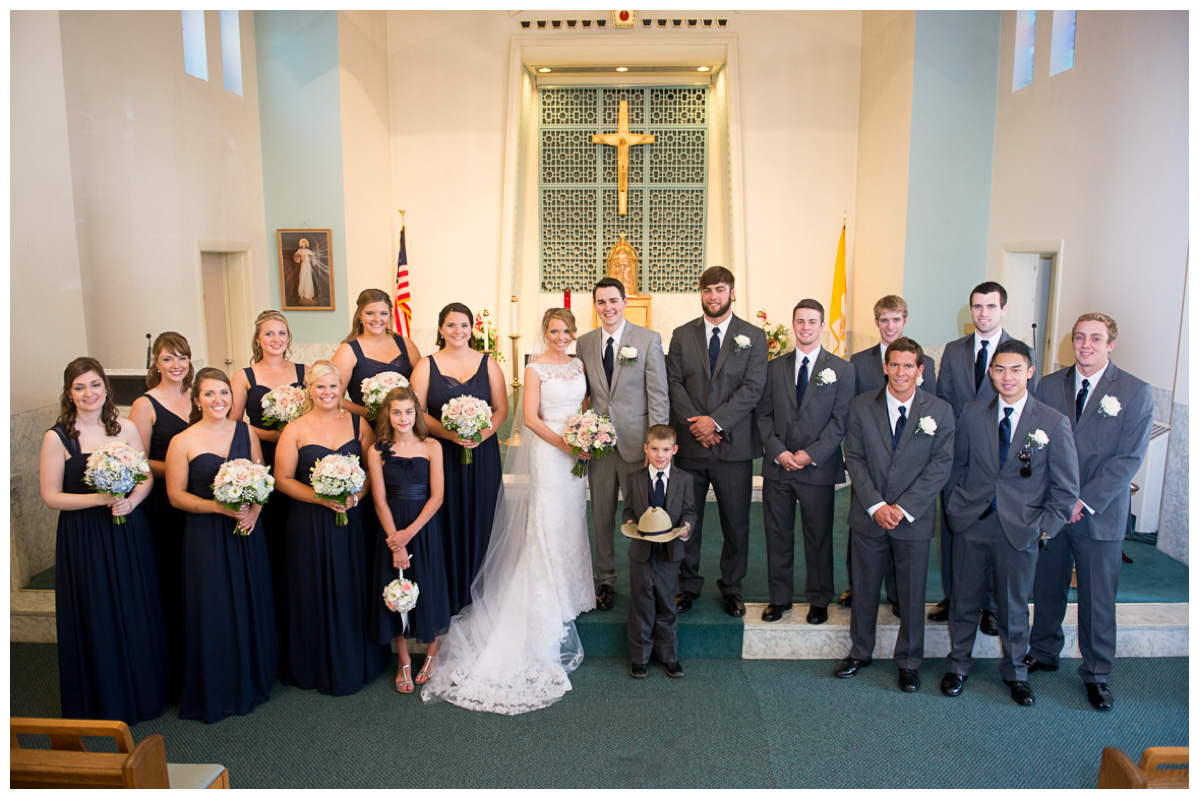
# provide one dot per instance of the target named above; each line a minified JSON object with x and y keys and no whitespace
{"x":778,"y":339}
{"x":484,"y":337}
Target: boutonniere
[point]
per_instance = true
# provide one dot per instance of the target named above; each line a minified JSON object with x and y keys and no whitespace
{"x":741,"y":342}
{"x":1037,"y":440}
{"x":826,"y":377}
{"x":920,"y":380}
{"x":1109,"y":406}
{"x":927,"y":426}
{"x":627,"y":356}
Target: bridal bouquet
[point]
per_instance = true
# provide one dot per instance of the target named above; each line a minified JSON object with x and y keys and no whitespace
{"x":592,"y":433}
{"x":401,"y":594}
{"x":114,"y":469}
{"x":336,"y":477}
{"x":777,"y":335}
{"x":281,"y":405}
{"x":241,"y":482}
{"x":467,"y":416}
{"x":376,"y":387}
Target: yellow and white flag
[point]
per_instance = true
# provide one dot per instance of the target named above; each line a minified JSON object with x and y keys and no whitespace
{"x":837,"y":305}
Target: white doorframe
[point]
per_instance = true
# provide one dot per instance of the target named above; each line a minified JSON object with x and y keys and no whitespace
{"x":239,"y":295}
{"x":1053,"y":248}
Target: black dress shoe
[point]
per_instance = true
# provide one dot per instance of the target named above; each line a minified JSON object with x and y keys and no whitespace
{"x":910,"y":681}
{"x":1039,"y":666}
{"x":952,"y":684}
{"x":734,"y":606}
{"x":896,"y":610}
{"x":817,"y":615}
{"x":637,"y":670}
{"x":848,"y":667}
{"x":683,"y":600}
{"x":674,"y":670}
{"x":604,"y":598}
{"x":1100,"y":696}
{"x":773,"y":612}
{"x":1022,"y":693}
{"x":987,"y":624}
{"x":846,"y":599}
{"x":940,"y":612}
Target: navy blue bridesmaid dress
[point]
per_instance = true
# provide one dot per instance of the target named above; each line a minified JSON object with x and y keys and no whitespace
{"x":366,"y":367}
{"x":112,"y":649}
{"x":471,"y":489}
{"x":231,"y":648}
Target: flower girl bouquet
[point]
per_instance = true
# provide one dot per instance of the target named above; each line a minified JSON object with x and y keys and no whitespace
{"x":281,"y":405}
{"x":401,"y":594}
{"x":467,"y":416}
{"x":592,"y":433}
{"x":241,"y":482}
{"x":376,"y":387}
{"x":336,"y":477}
{"x":114,"y":469}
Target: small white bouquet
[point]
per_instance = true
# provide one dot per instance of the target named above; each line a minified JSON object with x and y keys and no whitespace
{"x":592,"y":433}
{"x":241,"y":482}
{"x":114,"y":469}
{"x":336,"y":477}
{"x":467,"y":416}
{"x":401,"y":594}
{"x":376,"y":387}
{"x":281,"y":405}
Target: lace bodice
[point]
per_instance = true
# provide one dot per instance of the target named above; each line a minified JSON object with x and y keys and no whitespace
{"x":563,"y":389}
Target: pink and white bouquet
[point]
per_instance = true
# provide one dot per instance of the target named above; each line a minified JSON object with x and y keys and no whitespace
{"x":114,"y":469}
{"x":336,"y":477}
{"x":401,"y":595}
{"x":467,"y":416}
{"x":592,"y":433}
{"x":281,"y":405}
{"x":241,"y":482}
{"x":376,"y":387}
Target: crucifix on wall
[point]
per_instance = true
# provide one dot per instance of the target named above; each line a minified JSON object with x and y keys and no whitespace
{"x":623,"y":140}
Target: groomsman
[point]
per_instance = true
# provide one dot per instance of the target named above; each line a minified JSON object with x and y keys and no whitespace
{"x":899,"y":452}
{"x":627,"y":377}
{"x":1014,"y":483}
{"x":802,"y":420}
{"x":891,"y":315}
{"x":1111,"y":413}
{"x":963,"y":378}
{"x":716,"y":369}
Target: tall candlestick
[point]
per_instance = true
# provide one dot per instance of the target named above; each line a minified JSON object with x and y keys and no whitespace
{"x":513,"y":321}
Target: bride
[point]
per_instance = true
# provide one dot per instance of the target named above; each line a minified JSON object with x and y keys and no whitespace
{"x":509,"y":652}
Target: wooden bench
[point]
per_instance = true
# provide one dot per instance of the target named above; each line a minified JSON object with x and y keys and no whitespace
{"x":1159,"y":768}
{"x":69,"y":765}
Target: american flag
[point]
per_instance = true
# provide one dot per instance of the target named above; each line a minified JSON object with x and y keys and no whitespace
{"x":400,"y":307}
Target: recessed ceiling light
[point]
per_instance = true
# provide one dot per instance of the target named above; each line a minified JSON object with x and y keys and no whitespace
{"x":702,"y":69}
{"x":622,"y":69}
{"x":543,"y":69}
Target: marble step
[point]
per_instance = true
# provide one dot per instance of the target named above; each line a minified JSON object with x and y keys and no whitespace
{"x":1143,"y":630}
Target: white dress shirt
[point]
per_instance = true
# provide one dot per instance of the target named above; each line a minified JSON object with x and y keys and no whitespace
{"x":993,"y":341}
{"x":1017,"y":408}
{"x":812,"y":362}
{"x":616,"y":340}
{"x":893,"y":407}
{"x":1093,"y":381}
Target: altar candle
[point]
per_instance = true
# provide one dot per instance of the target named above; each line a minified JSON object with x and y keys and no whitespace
{"x":513,"y":321}
{"x":567,"y":299}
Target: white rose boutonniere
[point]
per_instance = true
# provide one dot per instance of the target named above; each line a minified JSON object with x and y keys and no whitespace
{"x":627,"y":356}
{"x":927,"y":426}
{"x":1109,"y":406}
{"x":741,"y":342}
{"x":1038,"y":439}
{"x":920,"y":380}
{"x":826,"y":377}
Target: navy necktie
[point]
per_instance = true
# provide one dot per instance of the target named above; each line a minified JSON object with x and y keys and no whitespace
{"x":801,"y":382}
{"x":981,"y":360}
{"x":714,"y":349}
{"x":1081,"y":399}
{"x":658,"y":499}
{"x":1005,"y":434}
{"x":899,"y":428}
{"x":608,"y":361}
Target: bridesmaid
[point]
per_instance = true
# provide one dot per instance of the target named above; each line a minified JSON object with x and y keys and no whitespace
{"x":372,"y":347}
{"x":471,"y":489}
{"x":159,"y":415}
{"x":270,"y":368}
{"x":328,"y":641}
{"x":112,"y":652}
{"x":231,"y":650}
{"x":405,"y":466}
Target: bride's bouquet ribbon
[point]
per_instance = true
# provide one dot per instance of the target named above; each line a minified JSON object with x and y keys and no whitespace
{"x":467,"y":416}
{"x":114,"y":469}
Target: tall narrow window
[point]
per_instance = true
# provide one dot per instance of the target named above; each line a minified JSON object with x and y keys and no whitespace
{"x":1023,"y":50}
{"x":195,"y":56}
{"x":1062,"y":43}
{"x":231,"y":52}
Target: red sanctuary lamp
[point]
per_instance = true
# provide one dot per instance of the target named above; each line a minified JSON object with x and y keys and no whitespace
{"x":567,"y":298}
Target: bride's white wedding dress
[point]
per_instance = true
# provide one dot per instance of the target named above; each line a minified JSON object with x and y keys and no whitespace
{"x":509,"y":652}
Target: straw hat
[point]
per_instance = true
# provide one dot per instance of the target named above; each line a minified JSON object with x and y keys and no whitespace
{"x":654,"y":526}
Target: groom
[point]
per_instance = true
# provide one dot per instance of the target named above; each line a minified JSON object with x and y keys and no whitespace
{"x":627,"y":379}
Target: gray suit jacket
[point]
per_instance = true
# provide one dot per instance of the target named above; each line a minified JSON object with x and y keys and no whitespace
{"x":868,"y":370}
{"x":912,"y":475}
{"x":680,"y":507}
{"x":1026,"y":507}
{"x":728,"y":393}
{"x":818,"y":427}
{"x":638,"y":396}
{"x":956,"y":374}
{"x":1110,"y":448}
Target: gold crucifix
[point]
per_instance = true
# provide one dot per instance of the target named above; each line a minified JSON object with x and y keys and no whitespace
{"x":623,"y":140}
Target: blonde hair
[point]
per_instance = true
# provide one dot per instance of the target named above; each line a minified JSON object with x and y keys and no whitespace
{"x":385,"y":435}
{"x":316,"y":371}
{"x":891,"y":302}
{"x":264,"y":317}
{"x":1096,"y":316}
{"x":177,"y":344}
{"x":365,"y":298}
{"x":563,"y":314}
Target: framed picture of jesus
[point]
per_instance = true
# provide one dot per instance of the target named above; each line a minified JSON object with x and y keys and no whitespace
{"x":305,"y":269}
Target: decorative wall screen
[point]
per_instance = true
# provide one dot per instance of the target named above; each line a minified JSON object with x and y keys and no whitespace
{"x":668,"y":185}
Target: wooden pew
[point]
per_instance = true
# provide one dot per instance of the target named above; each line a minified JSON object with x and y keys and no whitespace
{"x":1117,"y":770}
{"x":69,"y":765}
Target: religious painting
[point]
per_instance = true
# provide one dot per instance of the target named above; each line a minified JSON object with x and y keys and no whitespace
{"x":305,"y":269}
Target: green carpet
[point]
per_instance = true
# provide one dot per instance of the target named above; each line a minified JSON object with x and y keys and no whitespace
{"x":727,"y":724}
